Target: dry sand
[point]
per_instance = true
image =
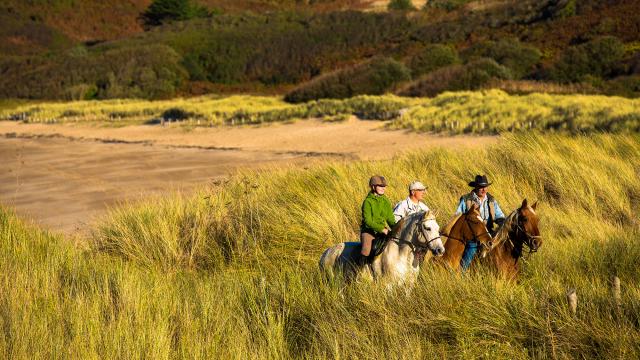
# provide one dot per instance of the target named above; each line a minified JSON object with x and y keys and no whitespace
{"x":63,"y":176}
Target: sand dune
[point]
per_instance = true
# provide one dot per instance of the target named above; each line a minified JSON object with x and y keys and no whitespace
{"x":63,"y":176}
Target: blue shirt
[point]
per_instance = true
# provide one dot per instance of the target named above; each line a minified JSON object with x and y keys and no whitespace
{"x":484,"y":207}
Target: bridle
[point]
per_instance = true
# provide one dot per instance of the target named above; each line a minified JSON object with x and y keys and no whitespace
{"x":528,"y":240}
{"x":476,"y":237}
{"x":416,"y":247}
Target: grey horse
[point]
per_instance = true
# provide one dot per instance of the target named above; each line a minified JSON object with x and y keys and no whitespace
{"x":415,"y":236}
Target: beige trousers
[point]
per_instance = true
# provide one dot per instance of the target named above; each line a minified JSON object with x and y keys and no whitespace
{"x":366,"y":239}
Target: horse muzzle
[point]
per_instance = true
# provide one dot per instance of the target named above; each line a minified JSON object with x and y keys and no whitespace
{"x":439,"y":251}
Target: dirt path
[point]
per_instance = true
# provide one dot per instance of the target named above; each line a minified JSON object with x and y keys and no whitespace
{"x":63,"y":176}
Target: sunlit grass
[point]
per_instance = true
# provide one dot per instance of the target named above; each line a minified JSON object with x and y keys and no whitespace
{"x":480,"y":112}
{"x":231,"y":271}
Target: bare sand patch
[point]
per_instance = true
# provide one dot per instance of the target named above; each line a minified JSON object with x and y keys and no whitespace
{"x":62,"y":176}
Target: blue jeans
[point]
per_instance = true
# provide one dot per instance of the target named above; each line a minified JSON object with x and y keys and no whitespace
{"x":470,"y":250}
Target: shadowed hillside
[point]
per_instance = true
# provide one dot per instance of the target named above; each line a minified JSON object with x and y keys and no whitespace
{"x":90,"y":50}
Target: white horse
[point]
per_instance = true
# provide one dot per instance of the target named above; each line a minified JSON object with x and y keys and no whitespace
{"x":414,"y":237}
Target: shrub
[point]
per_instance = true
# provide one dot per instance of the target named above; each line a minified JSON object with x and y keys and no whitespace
{"x":373,"y":77}
{"x":628,"y":86}
{"x":448,"y":5}
{"x":599,"y":57}
{"x":161,"y":11}
{"x":433,"y":57}
{"x":457,"y":77}
{"x":568,"y":10}
{"x":177,"y":114}
{"x":149,"y":71}
{"x":401,"y":5}
{"x":518,"y":57}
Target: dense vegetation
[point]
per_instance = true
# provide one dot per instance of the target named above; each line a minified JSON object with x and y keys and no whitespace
{"x":373,"y":77}
{"x":584,"y":44}
{"x":231,"y":271}
{"x":163,"y":11}
{"x":485,"y":112}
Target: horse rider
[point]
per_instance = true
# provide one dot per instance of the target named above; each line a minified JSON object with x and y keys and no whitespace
{"x":413,"y":203}
{"x":489,"y":211}
{"x":377,"y":216}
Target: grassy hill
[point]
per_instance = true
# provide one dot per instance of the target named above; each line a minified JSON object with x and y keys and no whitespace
{"x":90,"y":21}
{"x":485,"y":112}
{"x":76,"y":50}
{"x":231,"y":272}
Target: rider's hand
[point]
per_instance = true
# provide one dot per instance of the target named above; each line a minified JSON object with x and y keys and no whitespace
{"x":385,"y":231}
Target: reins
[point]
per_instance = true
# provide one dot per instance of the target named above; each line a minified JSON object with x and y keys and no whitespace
{"x":475,"y":236}
{"x":528,"y":240}
{"x":422,"y":247}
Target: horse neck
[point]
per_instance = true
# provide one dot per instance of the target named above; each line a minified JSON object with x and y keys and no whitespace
{"x":503,"y":244}
{"x":404,"y":232}
{"x":458,"y":229}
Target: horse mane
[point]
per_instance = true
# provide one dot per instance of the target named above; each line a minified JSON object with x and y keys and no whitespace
{"x":406,"y":225}
{"x":503,"y":232}
{"x":447,"y":229}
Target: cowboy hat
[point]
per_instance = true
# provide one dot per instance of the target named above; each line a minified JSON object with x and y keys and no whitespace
{"x":480,"y":181}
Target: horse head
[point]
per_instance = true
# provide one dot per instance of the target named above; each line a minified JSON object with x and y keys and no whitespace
{"x":429,"y":234}
{"x":526,"y":230}
{"x":476,"y":229}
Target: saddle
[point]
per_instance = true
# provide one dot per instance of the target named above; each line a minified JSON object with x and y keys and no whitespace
{"x":378,"y":245}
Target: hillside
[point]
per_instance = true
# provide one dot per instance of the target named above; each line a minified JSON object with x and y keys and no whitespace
{"x":54,"y":50}
{"x":89,"y":21}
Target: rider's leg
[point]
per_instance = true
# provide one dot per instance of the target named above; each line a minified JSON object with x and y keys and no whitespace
{"x":470,"y":249}
{"x":367,"y":240}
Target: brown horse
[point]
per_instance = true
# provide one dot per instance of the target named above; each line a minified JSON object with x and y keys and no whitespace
{"x":466,"y":227}
{"x":519,"y":230}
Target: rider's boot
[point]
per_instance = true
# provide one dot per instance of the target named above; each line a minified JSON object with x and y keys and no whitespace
{"x":362,"y":260}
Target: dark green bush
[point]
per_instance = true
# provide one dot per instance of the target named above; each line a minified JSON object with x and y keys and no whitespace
{"x":401,"y":5}
{"x":279,"y":48}
{"x":566,"y":9}
{"x":600,"y":57}
{"x":627,"y":86}
{"x":434,"y":56}
{"x":194,"y":67}
{"x":177,"y":114}
{"x":518,"y":57}
{"x":161,"y":11}
{"x":457,"y":77}
{"x":150,"y":71}
{"x":373,"y":77}
{"x":448,"y":5}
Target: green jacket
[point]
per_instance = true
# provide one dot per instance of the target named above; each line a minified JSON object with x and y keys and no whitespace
{"x":376,"y":213}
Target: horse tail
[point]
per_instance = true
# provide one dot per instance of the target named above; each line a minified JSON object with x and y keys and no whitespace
{"x":323,"y":260}
{"x":329,"y":257}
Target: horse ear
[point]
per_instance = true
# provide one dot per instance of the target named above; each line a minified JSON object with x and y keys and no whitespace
{"x":524,"y":204}
{"x":534,"y":205}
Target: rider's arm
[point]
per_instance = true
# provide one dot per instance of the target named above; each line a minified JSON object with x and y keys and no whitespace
{"x":399,"y":210}
{"x":462,"y":207}
{"x":499,"y":213}
{"x":390,"y":218}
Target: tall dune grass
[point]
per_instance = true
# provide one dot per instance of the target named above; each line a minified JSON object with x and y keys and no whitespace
{"x":231,"y":272}
{"x":481,"y":112}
